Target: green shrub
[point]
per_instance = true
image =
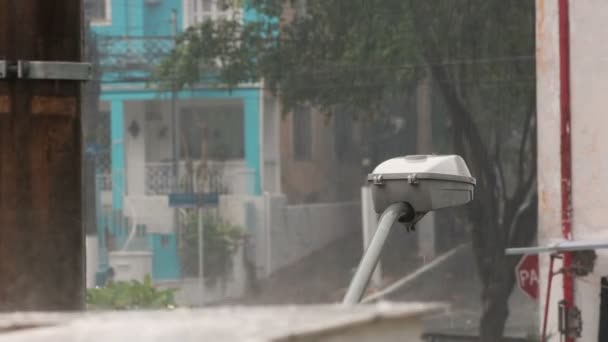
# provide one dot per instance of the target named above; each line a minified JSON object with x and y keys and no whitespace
{"x":130,"y":295}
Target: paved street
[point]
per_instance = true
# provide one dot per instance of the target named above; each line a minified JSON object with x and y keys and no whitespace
{"x":455,"y":281}
{"x":322,"y":278}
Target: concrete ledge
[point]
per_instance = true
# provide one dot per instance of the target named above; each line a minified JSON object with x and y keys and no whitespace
{"x":379,"y":322}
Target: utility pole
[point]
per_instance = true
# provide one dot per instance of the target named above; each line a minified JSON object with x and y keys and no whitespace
{"x":41,"y":231}
{"x":427,"y":237}
{"x":174,"y":117}
{"x":175,"y":133}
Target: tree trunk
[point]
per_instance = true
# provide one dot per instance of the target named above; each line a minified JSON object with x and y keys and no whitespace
{"x":500,"y":279}
{"x":495,"y":311}
{"x":492,"y":233}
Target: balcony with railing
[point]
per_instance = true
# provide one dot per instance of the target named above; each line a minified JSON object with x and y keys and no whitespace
{"x":226,"y":177}
{"x":131,"y":59}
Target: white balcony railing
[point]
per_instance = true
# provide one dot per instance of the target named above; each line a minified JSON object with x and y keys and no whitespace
{"x":220,"y":177}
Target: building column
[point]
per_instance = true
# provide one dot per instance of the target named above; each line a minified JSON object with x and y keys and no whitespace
{"x":135,"y":149}
{"x":118,"y":153}
{"x":252,"y":139}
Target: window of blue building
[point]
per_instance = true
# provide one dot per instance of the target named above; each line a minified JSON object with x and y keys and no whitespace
{"x":99,"y":11}
{"x":198,"y":11}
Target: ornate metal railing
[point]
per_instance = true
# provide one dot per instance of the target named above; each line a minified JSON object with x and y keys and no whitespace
{"x":160,"y":181}
{"x":159,"y":178}
{"x":131,"y":59}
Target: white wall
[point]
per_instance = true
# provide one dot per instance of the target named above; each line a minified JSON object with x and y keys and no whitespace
{"x":131,"y":265}
{"x":153,"y":211}
{"x":589,"y":86}
{"x":92,"y":259}
{"x":135,"y":149}
{"x":308,"y":228}
{"x":282,"y":234}
{"x":589,"y":74}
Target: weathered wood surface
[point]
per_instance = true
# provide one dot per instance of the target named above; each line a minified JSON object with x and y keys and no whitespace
{"x":379,"y":322}
{"x":41,"y":237}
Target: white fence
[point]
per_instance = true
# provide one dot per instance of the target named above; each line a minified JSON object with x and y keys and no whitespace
{"x":308,"y":228}
{"x":283,"y":234}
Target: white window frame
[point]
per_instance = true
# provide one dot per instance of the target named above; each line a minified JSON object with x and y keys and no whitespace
{"x":194,"y":13}
{"x":107,"y":21}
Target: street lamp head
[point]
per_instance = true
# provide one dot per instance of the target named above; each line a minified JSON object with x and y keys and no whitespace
{"x":425,"y":182}
{"x":404,"y":189}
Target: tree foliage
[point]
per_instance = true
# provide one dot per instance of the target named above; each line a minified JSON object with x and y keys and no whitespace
{"x":363,"y":53}
{"x":321,"y":57}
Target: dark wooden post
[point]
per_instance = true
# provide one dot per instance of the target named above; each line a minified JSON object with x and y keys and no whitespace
{"x":41,"y":234}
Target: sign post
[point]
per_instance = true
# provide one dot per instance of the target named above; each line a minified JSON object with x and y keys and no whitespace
{"x":526,"y":274}
{"x":201,"y":258}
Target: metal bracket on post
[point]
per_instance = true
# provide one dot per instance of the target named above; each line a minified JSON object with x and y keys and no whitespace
{"x":46,"y":70}
{"x":570,"y":322}
{"x":377,"y":180}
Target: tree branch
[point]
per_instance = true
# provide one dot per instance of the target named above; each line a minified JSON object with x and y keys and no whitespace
{"x":519,"y":235}
{"x":529,"y":122}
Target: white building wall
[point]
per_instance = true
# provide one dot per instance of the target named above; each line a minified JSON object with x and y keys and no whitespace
{"x":589,"y":74}
{"x":92,"y":259}
{"x":152,"y":211}
{"x":135,"y":149}
{"x":131,"y":265}
{"x":589,"y":86}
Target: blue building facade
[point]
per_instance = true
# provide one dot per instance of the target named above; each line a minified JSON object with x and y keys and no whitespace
{"x":133,"y":36}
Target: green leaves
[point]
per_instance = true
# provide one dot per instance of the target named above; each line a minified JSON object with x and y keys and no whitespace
{"x":354,"y":52}
{"x":337,"y":52}
{"x":221,"y":241}
{"x":129,"y":296}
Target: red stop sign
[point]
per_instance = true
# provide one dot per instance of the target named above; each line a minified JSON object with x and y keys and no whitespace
{"x":527,"y":275}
